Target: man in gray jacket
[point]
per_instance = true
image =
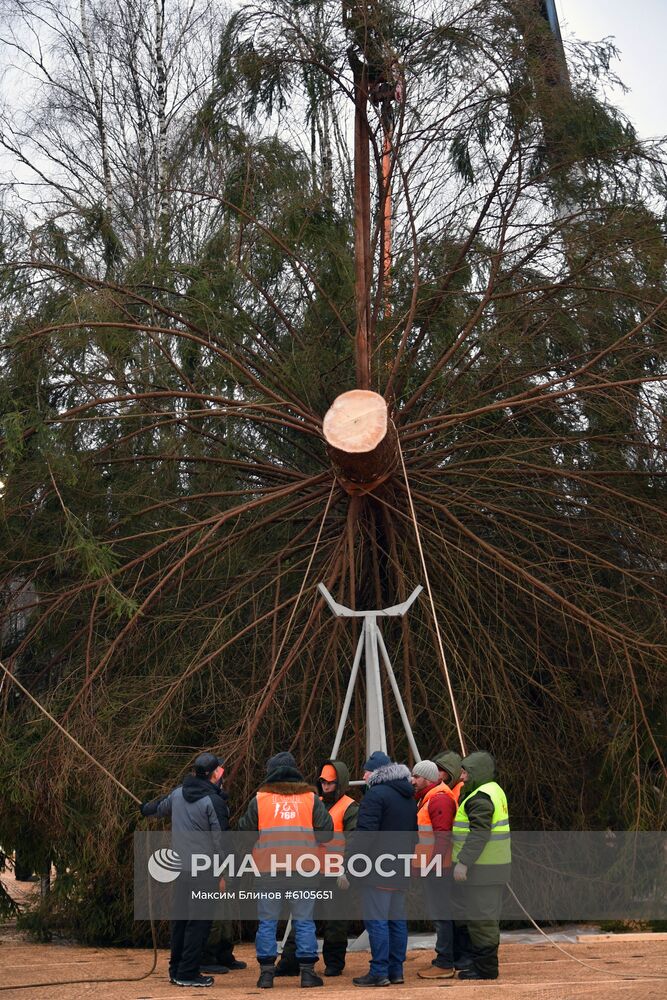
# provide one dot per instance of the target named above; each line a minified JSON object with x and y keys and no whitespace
{"x":198,"y":805}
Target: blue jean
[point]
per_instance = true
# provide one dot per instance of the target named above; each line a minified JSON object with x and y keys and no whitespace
{"x":268,"y":914}
{"x":384,"y":919}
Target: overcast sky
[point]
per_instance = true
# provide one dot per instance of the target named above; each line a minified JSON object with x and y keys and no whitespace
{"x":640,"y":31}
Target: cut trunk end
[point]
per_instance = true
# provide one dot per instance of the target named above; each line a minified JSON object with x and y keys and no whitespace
{"x":361,"y":440}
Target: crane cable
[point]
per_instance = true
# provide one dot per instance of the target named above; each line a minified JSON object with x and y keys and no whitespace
{"x":452,"y":697}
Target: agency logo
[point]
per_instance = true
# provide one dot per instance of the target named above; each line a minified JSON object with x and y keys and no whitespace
{"x":164,"y":865}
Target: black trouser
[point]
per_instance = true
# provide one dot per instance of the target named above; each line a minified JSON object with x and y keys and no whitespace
{"x":188,"y":938}
{"x":334,"y":947}
{"x":451,"y":941}
{"x":219,"y":948}
{"x":437,"y":890}
{"x":485,"y":901}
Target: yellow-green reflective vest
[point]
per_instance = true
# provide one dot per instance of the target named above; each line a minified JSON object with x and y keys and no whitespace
{"x":497,"y":850}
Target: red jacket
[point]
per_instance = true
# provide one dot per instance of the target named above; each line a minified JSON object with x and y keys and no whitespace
{"x":441,"y":812}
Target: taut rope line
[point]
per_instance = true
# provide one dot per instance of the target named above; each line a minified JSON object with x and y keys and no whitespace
{"x":441,"y":648}
{"x":70,"y":982}
{"x":69,"y":736}
{"x":302,"y":587}
{"x":586,"y":965}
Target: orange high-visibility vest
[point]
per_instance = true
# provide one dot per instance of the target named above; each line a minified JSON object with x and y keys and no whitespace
{"x":456,"y":790}
{"x":337,"y":812}
{"x":285,"y":824}
{"x":423,"y":817}
{"x":424,"y":848}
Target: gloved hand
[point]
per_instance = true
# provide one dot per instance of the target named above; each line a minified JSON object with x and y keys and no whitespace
{"x":150,"y":808}
{"x":460,"y":872}
{"x":342,"y":882}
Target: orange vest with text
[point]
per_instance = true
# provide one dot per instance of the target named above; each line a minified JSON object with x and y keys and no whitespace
{"x":285,"y":824}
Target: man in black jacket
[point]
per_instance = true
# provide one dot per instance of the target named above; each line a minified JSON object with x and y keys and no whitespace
{"x":198,"y":805}
{"x":388,"y":805}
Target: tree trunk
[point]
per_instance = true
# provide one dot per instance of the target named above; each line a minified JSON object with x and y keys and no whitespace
{"x":361,"y":440}
{"x":362,"y":224}
{"x":99,"y":112}
{"x":162,"y":233}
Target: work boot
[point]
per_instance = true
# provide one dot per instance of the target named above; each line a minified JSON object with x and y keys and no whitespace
{"x":472,"y":973}
{"x":309,"y":977}
{"x":437,"y":972}
{"x":267,"y":971}
{"x":369,"y":980}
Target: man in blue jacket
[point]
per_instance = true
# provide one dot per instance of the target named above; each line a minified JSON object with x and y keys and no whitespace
{"x":388,"y":806}
{"x":198,"y":805}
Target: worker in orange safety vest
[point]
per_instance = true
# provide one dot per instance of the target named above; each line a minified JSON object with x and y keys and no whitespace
{"x":333,"y":784}
{"x":438,"y":802}
{"x":449,"y":769}
{"x":287,"y":813}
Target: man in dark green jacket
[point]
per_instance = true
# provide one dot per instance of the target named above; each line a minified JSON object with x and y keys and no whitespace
{"x":333,"y":784}
{"x":482,"y":861}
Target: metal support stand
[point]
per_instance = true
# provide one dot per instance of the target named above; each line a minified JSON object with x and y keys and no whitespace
{"x":372,"y":645}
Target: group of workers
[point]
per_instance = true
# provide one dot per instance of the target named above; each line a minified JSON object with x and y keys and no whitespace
{"x":455,"y":798}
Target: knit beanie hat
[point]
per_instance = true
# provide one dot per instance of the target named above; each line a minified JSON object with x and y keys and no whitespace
{"x":282,"y":759}
{"x":450,"y":762}
{"x":377,"y":759}
{"x":426,"y":769}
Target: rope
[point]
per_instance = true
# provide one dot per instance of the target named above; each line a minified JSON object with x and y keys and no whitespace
{"x":301,"y":588}
{"x":586,"y":965}
{"x":70,"y":982}
{"x":551,"y":941}
{"x":69,"y":736}
{"x":86,"y":753}
{"x":45,"y":712}
{"x":443,"y":658}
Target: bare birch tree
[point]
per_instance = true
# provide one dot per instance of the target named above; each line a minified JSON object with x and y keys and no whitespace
{"x":98,"y":96}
